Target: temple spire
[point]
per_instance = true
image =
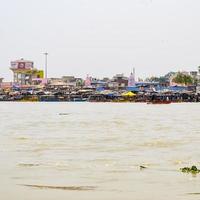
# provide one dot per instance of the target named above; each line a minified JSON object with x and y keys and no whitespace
{"x":131,"y":80}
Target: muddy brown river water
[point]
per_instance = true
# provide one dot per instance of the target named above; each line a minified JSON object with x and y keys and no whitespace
{"x":93,"y":151}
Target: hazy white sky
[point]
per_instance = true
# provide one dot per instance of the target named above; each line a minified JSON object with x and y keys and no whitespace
{"x":101,"y":37}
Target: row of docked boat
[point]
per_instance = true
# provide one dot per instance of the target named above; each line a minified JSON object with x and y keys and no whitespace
{"x":93,"y":96}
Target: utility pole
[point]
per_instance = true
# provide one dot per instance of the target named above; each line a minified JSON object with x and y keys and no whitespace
{"x":134,"y":72}
{"x":46,"y":68}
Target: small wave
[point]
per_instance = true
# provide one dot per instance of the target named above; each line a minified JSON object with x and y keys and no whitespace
{"x":21,"y":138}
{"x":179,"y":162}
{"x":119,"y":171}
{"x":28,"y":165}
{"x":17,"y":178}
{"x":72,"y":188}
{"x":162,"y":144}
{"x":195,"y":193}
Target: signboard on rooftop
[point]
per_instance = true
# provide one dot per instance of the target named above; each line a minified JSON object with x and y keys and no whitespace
{"x":39,"y":74}
{"x":21,"y":64}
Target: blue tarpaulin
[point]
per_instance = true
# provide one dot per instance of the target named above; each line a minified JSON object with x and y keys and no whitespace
{"x":99,"y":89}
{"x":133,"y":89}
{"x":177,"y":88}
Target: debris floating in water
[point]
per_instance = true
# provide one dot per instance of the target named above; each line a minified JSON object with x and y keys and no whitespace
{"x":63,"y":113}
{"x":142,"y":167}
{"x":193,"y":170}
{"x":75,"y":188}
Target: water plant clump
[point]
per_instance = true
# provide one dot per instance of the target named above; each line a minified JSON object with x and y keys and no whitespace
{"x":193,"y":170}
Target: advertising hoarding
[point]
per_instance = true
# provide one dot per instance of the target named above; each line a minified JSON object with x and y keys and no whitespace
{"x":21,"y":65}
{"x":39,"y":74}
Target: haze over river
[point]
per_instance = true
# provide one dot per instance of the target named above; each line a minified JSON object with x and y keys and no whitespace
{"x":93,"y":151}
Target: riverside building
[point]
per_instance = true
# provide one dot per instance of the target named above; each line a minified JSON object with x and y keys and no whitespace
{"x":24,"y":72}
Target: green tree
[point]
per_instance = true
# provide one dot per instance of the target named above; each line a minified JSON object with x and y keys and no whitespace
{"x":160,"y":79}
{"x":183,"y":79}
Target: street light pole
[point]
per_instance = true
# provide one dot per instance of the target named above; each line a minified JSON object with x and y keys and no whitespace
{"x":46,"y":75}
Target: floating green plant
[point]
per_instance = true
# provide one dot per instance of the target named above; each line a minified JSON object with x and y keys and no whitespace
{"x":193,"y":170}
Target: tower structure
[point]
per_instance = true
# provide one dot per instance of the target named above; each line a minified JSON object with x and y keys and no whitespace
{"x":131,"y":80}
{"x":24,"y":72}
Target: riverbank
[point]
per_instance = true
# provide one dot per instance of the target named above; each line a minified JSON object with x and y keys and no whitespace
{"x":173,"y":98}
